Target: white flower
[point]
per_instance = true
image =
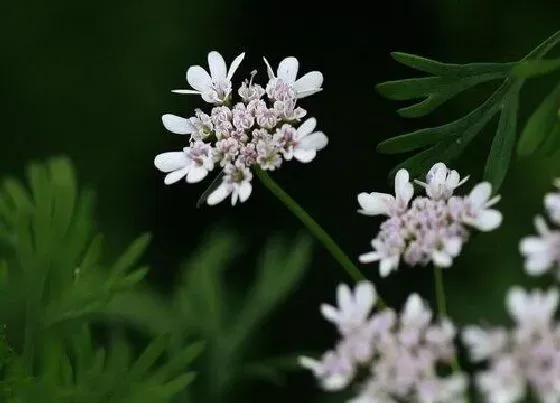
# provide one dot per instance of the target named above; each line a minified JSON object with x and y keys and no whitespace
{"x":477,"y":214}
{"x":388,"y":254}
{"x":482,"y":343}
{"x":383,"y":203}
{"x":541,"y":252}
{"x":177,"y":124}
{"x":194,"y":162}
{"x":532,"y":310}
{"x":416,"y":313}
{"x":441,"y":182}
{"x":552,"y":204}
{"x":526,"y":357}
{"x":216,"y":86}
{"x":307,"y":142}
{"x":353,"y":308}
{"x":236,"y":182}
{"x":287,"y":71}
{"x":334,"y":370}
{"x":450,"y":249}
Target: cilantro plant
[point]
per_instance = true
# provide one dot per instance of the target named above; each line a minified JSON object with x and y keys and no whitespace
{"x":447,"y":142}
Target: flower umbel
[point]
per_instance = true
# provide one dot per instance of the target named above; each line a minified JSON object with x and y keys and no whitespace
{"x":402,"y":354}
{"x":431,"y":228}
{"x":542,"y":252}
{"x":264,"y":128}
{"x":521,"y":359}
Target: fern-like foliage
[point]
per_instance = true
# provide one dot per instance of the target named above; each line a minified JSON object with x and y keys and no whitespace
{"x":52,"y":283}
{"x":53,"y":275}
{"x":447,"y":142}
{"x":203,"y":307}
{"x":87,"y":374}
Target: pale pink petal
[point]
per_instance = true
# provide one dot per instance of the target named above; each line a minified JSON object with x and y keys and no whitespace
{"x":330,"y":313}
{"x":287,"y":70}
{"x":315,"y":141}
{"x":218,"y":195}
{"x":218,"y":67}
{"x":186,"y":92}
{"x":269,"y":70}
{"x":365,"y":296}
{"x":171,"y":161}
{"x":311,"y":81}
{"x":480,"y":194}
{"x":306,"y":128}
{"x":196,"y":174}
{"x":344,"y":297}
{"x":487,"y":220}
{"x":177,"y":124}
{"x":244,"y":191}
{"x":175,"y":176}
{"x":375,"y":203}
{"x":199,"y":79}
{"x":235,"y":65}
{"x":303,"y":155}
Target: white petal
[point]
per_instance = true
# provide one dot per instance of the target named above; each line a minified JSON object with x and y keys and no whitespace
{"x":480,"y":194}
{"x":186,"y":92}
{"x":311,"y":364}
{"x":171,"y":161}
{"x":336,"y":382}
{"x":196,"y":174}
{"x":375,"y":203}
{"x":365,"y":296}
{"x":235,"y":65}
{"x":177,"y":124}
{"x":269,"y":70}
{"x":330,"y":313}
{"x":387,"y":265}
{"x":306,"y":128}
{"x":369,"y":257}
{"x":218,"y":67}
{"x":404,"y":190}
{"x":219,"y":194}
{"x":287,"y":70}
{"x":199,"y":79}
{"x":303,"y":155}
{"x":244,"y":191}
{"x":536,"y":265}
{"x":441,"y":259}
{"x":517,"y":301}
{"x":487,"y":220}
{"x":174,"y":176}
{"x":344,"y":298}
{"x":314,"y":141}
{"x":533,"y":245}
{"x":311,"y":81}
{"x":452,"y":246}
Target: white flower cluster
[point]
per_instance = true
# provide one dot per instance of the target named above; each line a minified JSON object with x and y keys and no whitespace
{"x":431,"y":228}
{"x":265,"y":127}
{"x":524,"y":360}
{"x":403,"y":355}
{"x":542,"y":252}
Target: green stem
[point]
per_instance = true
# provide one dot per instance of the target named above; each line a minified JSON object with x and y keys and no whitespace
{"x":311,"y":225}
{"x":442,"y":306}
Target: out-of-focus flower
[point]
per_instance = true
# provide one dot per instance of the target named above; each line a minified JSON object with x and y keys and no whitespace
{"x":402,"y":354}
{"x":428,"y":229}
{"x":521,"y":360}
{"x":542,"y":252}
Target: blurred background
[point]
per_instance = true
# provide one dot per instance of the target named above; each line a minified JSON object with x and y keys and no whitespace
{"x":91,"y":80}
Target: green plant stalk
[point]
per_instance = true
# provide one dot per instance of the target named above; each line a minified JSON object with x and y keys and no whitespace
{"x":313,"y":227}
{"x":442,"y":306}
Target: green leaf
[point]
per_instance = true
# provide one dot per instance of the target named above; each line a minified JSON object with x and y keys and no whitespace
{"x":149,"y":357}
{"x":281,"y":269}
{"x":503,"y":144}
{"x":201,"y":296}
{"x":535,"y":68}
{"x":540,"y":124}
{"x":131,"y":256}
{"x":179,"y":361}
{"x":448,"y":142}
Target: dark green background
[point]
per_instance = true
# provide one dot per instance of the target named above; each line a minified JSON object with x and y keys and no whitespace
{"x":90,"y":79}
